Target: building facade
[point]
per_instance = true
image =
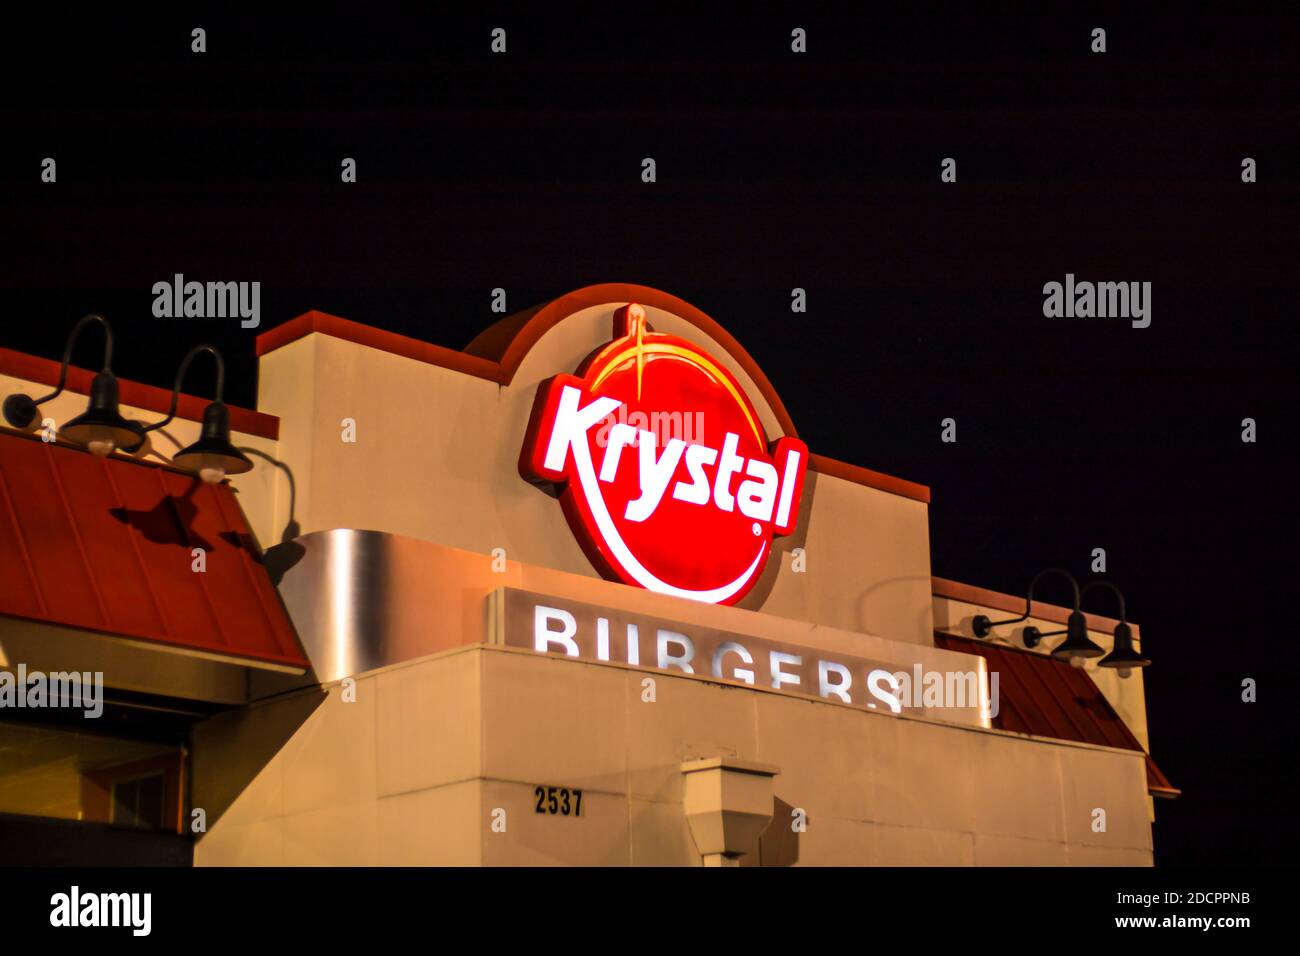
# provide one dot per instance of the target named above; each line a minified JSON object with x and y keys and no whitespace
{"x":577,"y":594}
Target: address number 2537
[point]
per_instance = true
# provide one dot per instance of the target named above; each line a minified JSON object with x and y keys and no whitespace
{"x":559,"y":801}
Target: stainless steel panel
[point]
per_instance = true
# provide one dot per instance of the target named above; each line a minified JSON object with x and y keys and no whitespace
{"x":336,"y":586}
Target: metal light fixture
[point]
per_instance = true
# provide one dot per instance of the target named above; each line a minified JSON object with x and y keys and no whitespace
{"x":101,"y":427}
{"x":1077,"y":646}
{"x":983,"y":627}
{"x":212,"y":457}
{"x":1122,"y":657}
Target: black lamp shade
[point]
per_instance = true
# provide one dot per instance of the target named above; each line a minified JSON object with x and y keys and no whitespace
{"x":101,"y":427}
{"x":1123,"y":655}
{"x":1077,"y":644}
{"x":213,"y":457}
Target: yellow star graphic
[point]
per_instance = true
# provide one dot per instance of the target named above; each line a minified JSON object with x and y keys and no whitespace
{"x":638,"y":319}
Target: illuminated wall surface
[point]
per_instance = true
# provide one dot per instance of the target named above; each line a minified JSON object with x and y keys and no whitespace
{"x":413,"y":771}
{"x":483,"y":694}
{"x":438,"y":745}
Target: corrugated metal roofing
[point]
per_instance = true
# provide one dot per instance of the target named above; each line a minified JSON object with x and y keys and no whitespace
{"x":1041,"y":695}
{"x":106,"y":545}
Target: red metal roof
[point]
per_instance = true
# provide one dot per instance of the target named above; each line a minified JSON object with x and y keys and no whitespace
{"x":1046,"y":697}
{"x":106,"y":545}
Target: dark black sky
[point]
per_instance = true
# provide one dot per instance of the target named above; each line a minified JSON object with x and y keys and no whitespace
{"x":820,"y":171}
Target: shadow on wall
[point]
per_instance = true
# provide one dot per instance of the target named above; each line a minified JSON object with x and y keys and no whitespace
{"x":867,"y":617}
{"x":865,"y":604}
{"x":232,"y":748}
{"x":778,"y":845}
{"x":283,"y":555}
{"x":160,"y":523}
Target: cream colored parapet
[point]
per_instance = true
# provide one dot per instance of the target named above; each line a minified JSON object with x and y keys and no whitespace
{"x":728,"y":804}
{"x":435,"y":457}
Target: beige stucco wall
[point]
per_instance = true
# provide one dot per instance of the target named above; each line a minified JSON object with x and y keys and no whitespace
{"x":436,"y":456}
{"x":412,"y":771}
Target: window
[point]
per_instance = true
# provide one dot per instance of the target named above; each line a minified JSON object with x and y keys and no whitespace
{"x":53,"y":772}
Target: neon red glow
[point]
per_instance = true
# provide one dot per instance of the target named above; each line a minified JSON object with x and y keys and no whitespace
{"x":665,"y":474}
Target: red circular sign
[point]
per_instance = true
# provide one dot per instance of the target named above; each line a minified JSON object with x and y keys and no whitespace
{"x":664,"y":471}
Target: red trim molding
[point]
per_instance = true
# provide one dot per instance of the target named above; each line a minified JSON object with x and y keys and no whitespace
{"x":368,"y":335}
{"x":1013,"y":604}
{"x":497,"y":353}
{"x":43,"y":371}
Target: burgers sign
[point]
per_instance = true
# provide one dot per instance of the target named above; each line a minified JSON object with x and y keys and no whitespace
{"x":662,"y":467}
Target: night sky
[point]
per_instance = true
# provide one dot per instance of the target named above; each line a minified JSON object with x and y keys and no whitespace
{"x":775,"y":171}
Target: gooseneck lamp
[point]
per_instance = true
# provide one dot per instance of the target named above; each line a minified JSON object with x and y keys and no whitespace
{"x":983,"y":627}
{"x":101,"y":427}
{"x":1076,"y":648}
{"x":1122,"y":657}
{"x":212,"y":457}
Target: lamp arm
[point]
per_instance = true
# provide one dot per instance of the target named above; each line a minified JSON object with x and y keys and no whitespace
{"x":67,"y":353}
{"x":1098,"y":583}
{"x":180,"y":378}
{"x":1029,"y":597}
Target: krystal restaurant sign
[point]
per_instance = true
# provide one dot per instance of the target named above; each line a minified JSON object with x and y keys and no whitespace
{"x":662,"y":467}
